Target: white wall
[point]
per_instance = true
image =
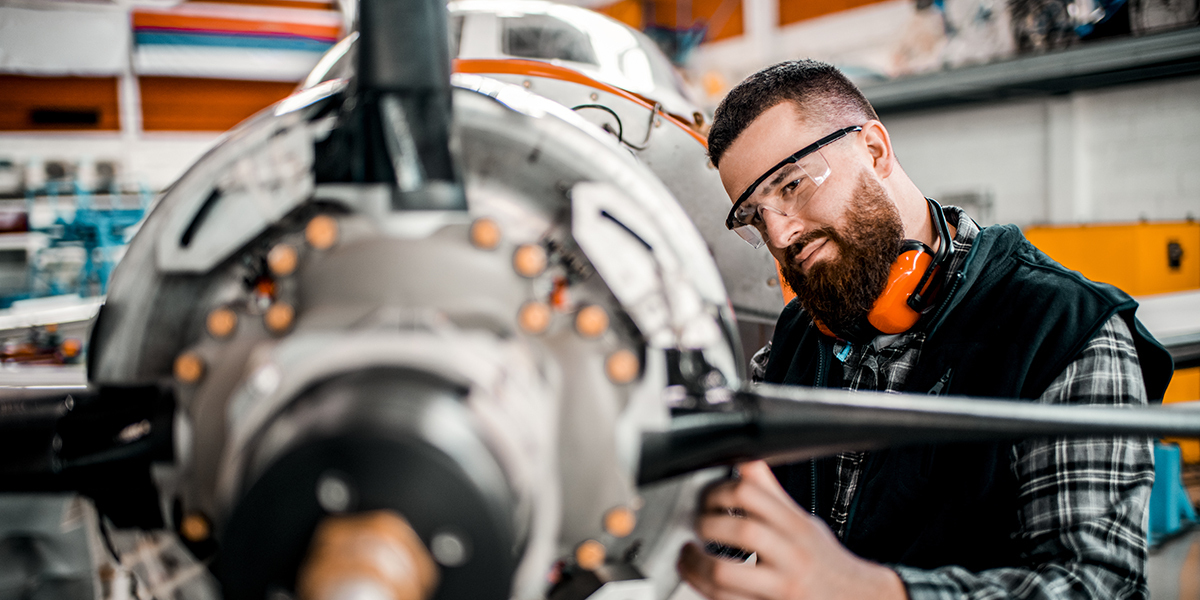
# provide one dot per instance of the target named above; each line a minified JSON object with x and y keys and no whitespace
{"x":1110,"y":155}
{"x":59,"y":38}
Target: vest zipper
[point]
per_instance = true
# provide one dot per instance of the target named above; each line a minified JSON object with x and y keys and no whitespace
{"x":937,"y":388}
{"x":813,"y":507}
{"x":933,"y":323}
{"x":822,"y":377}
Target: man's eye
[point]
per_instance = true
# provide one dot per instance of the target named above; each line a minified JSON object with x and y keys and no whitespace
{"x":791,"y":186}
{"x":755,"y":217}
{"x":748,"y":215}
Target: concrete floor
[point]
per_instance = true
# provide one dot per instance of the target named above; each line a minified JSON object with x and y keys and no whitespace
{"x":1174,"y":568}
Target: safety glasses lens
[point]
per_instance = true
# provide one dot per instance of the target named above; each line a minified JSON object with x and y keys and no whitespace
{"x":815,"y":167}
{"x":751,"y":236}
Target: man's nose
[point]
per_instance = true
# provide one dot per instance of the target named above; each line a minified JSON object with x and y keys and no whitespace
{"x":781,"y":228}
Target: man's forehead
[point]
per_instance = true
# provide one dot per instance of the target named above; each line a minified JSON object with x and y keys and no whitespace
{"x":773,"y":136}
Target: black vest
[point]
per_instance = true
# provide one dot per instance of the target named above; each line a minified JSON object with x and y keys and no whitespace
{"x":1011,"y":321}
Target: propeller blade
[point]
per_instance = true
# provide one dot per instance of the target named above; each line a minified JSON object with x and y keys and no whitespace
{"x":794,"y":423}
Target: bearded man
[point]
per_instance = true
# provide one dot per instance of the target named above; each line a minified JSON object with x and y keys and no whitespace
{"x":812,"y":174}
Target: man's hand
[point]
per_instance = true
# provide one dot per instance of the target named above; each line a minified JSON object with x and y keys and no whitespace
{"x":798,"y":557}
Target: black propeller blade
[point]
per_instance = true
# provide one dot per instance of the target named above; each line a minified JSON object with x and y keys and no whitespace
{"x":777,"y":422}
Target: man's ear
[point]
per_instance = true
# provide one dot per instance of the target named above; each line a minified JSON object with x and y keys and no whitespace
{"x":879,"y":146}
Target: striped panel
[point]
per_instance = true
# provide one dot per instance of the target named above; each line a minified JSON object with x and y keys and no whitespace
{"x":228,"y":40}
{"x":232,"y":41}
{"x":144,"y":21}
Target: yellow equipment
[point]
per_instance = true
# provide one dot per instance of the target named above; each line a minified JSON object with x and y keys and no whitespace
{"x":1141,"y":259}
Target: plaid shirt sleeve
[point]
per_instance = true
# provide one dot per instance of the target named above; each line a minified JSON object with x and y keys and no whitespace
{"x":1082,"y":501}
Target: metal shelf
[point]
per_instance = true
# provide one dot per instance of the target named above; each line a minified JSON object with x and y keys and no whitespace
{"x":1092,"y":65}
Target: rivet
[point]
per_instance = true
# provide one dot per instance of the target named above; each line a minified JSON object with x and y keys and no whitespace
{"x":622,"y":366}
{"x":526,"y":83}
{"x":221,"y":322}
{"x":534,"y":317}
{"x":282,"y":259}
{"x":530,"y":260}
{"x":449,"y":549}
{"x":321,"y":232}
{"x":195,"y":527}
{"x":279,"y":317}
{"x":772,"y":282}
{"x":485,"y":234}
{"x":619,"y":521}
{"x":334,"y":493}
{"x":591,"y":321}
{"x":590,"y":555}
{"x":594,"y":96}
{"x":189,"y":367}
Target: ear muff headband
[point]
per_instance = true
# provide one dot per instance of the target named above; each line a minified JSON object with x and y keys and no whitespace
{"x":918,"y":301}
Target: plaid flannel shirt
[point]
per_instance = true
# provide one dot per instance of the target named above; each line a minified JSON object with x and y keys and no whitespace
{"x":1082,"y":501}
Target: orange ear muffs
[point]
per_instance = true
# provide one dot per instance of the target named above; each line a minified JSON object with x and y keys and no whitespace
{"x":891,"y":312}
{"x":910,"y":288}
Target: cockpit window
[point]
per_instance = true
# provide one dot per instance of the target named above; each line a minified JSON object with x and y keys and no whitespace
{"x":546,"y":38}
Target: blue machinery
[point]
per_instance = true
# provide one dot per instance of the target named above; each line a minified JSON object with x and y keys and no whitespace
{"x":100,"y":231}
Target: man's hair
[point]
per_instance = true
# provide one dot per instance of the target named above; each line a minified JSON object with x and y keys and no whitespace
{"x":817,"y":88}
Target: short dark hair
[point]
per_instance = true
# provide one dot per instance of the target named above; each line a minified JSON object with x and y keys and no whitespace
{"x":810,"y":84}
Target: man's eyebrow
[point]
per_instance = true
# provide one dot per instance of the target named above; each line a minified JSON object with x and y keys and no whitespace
{"x":777,"y":177}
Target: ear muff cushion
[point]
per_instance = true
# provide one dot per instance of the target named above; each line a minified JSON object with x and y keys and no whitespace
{"x":891,"y":313}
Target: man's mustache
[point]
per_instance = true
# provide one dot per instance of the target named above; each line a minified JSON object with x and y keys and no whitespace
{"x":797,"y":246}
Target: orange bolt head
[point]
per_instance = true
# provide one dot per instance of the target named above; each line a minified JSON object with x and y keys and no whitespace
{"x":221,"y":322}
{"x":530,"y":260}
{"x":622,"y":366}
{"x":282,"y":259}
{"x":591,"y":321}
{"x":590,"y":555}
{"x":485,"y":234}
{"x":195,"y":527}
{"x":189,"y":367}
{"x":534,"y":317}
{"x":620,"y":521}
{"x":321,"y":232}
{"x":279,"y":317}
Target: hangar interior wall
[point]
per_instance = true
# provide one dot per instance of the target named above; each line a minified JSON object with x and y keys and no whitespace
{"x":1119,"y":154}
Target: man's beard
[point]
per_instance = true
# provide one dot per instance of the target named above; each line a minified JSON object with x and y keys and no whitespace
{"x":840,"y":291}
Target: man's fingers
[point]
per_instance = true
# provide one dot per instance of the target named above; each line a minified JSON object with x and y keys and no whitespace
{"x":750,"y":534}
{"x":759,"y":473}
{"x":719,"y":579}
{"x":749,"y":497}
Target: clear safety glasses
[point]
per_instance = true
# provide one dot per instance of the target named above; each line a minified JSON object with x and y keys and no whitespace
{"x":784,"y":189}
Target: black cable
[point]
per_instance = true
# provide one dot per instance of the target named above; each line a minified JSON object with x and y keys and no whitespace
{"x":107,"y":540}
{"x":649,"y":128}
{"x":620,"y":126}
